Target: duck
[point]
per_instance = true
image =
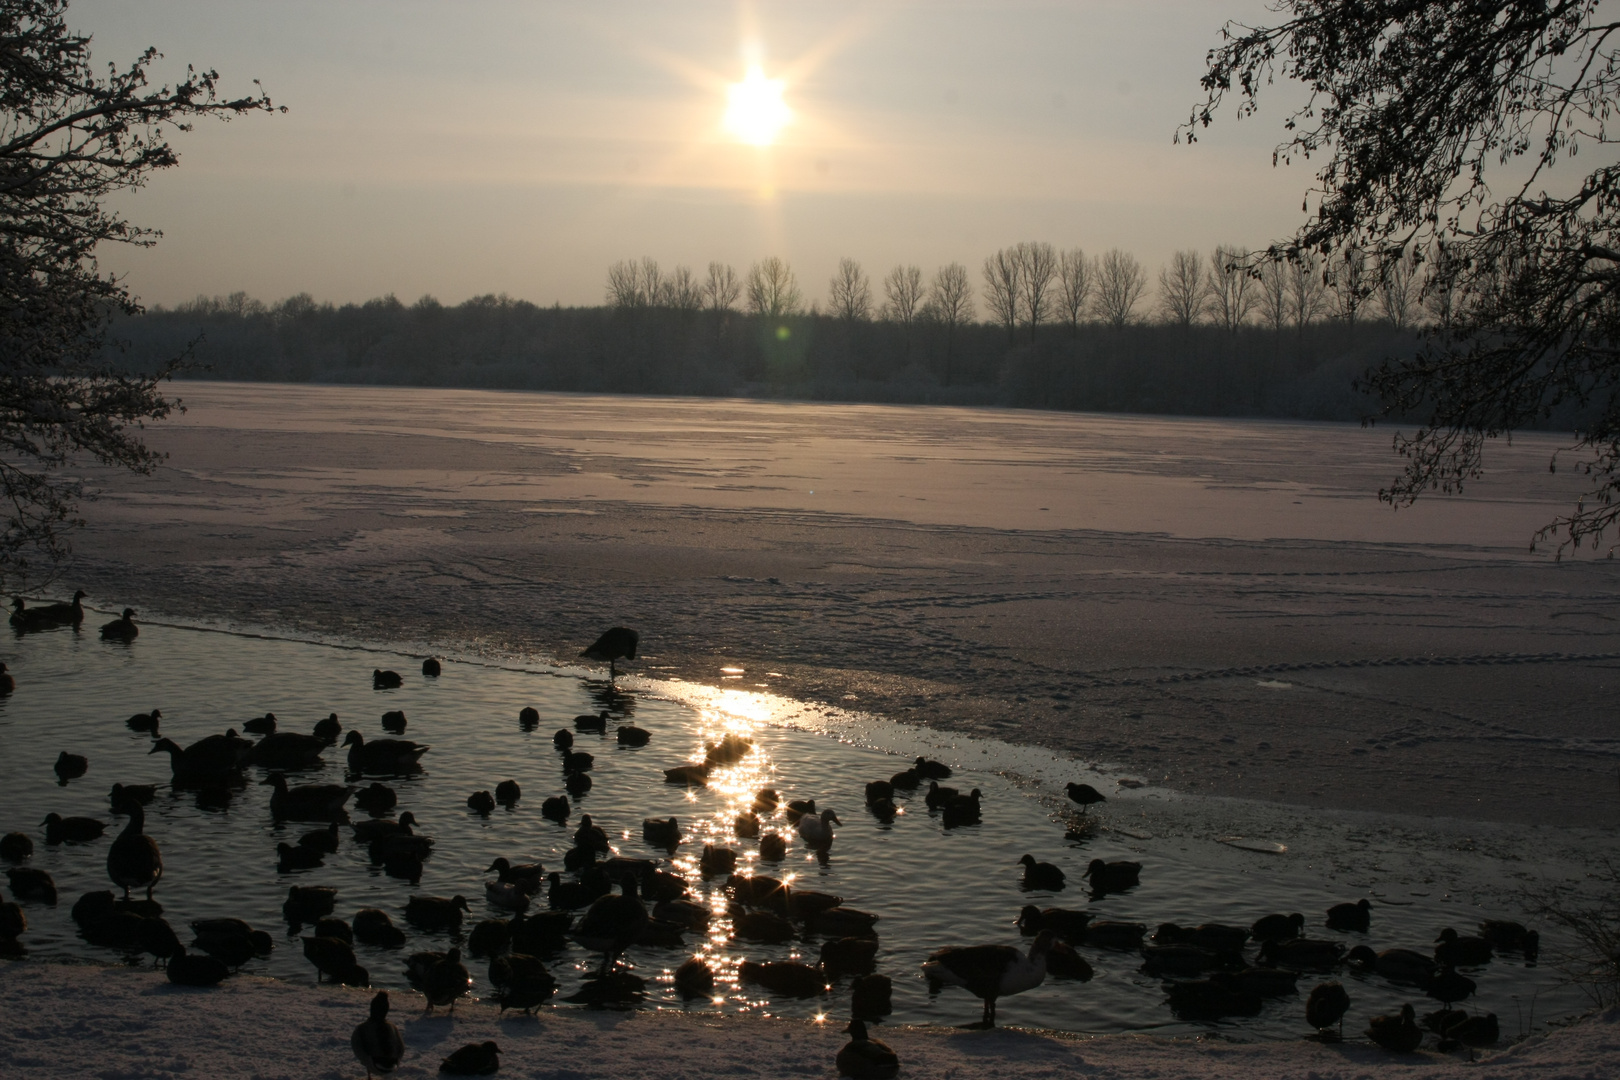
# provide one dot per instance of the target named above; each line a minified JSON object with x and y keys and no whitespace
{"x":568,"y":895}
{"x":871,"y":997}
{"x":1356,"y":916}
{"x":577,"y":784}
{"x":717,"y":860}
{"x":879,"y":791}
{"x":382,"y":755}
{"x":436,"y":912}
{"x":8,"y":682}
{"x":431,"y":668}
{"x":596,"y":722}
{"x":1070,"y":926}
{"x":209,"y":758}
{"x":16,"y":847}
{"x":772,"y":848}
{"x":365,"y":832}
{"x":1216,"y":937}
{"x":335,"y":959}
{"x":1326,"y":1007}
{"x":286,"y":750}
{"x":1510,"y":937}
{"x":1278,"y":927}
{"x":307,"y":904}
{"x":29,"y":883}
{"x":1084,"y":795}
{"x":329,"y":729}
{"x":372,"y":926}
{"x":290,"y":858}
{"x":507,"y":793}
{"x":556,"y":808}
{"x":660,"y":832}
{"x":446,"y":982}
{"x":1041,"y":875}
{"x":1107,"y":877}
{"x":385,"y":680}
{"x":145,"y":722}
{"x":766,"y":800}
{"x":931,"y":770}
{"x":936,"y":796}
{"x":765,"y":927}
{"x":687,"y":913}
{"x":122,"y":628}
{"x":72,"y":830}
{"x":563,"y":739}
{"x":376,"y":1041}
{"x":785,"y":978}
{"x":231,"y":941}
{"x":632,"y":736}
{"x":759,"y":890}
{"x":481,"y":803}
{"x":260,"y":725}
{"x":690,"y":775}
{"x":528,"y":877}
{"x":905,"y":780}
{"x":13,"y":923}
{"x":842,"y":921}
{"x":848,"y":956}
{"x":797,"y":808}
{"x":991,"y":972}
{"x":474,"y":1059}
{"x":615,"y":644}
{"x":727,"y":751}
{"x":70,"y":614}
{"x":70,"y":767}
{"x":864,"y":1058}
{"x":1214,"y":998}
{"x":1452,"y":949}
{"x":816,"y":831}
{"x":1397,"y":965}
{"x":311,"y":802}
{"x":379,"y":798}
{"x":577,"y":859}
{"x":491,"y":937}
{"x":577,"y":761}
{"x":506,"y":895}
{"x":1118,"y":936}
{"x":1449,"y":986}
{"x":1398,"y":1033}
{"x":746,"y":826}
{"x":333,"y":927}
{"x":612,"y":923}
{"x":393,"y":721}
{"x":961,"y":810}
{"x":1302,"y":954}
{"x":401,"y":842}
{"x":187,"y":970}
{"x":694,"y":978}
{"x":521,"y":981}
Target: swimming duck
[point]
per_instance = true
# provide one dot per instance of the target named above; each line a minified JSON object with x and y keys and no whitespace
{"x":569,"y":895}
{"x":931,"y":770}
{"x":848,"y":956}
{"x":122,"y":628}
{"x":879,"y":791}
{"x":365,"y":832}
{"x":506,"y":895}
{"x":936,"y":796}
{"x":145,"y":722}
{"x":577,"y":761}
{"x":772,"y":848}
{"x":379,"y":798}
{"x":727,"y":751}
{"x":393,"y":721}
{"x":694,"y":978}
{"x":991,"y":972}
{"x":187,"y":970}
{"x":1510,"y":937}
{"x":766,"y":800}
{"x":961,"y":810}
{"x":29,"y":883}
{"x":431,"y":668}
{"x":329,"y":729}
{"x":563,"y":739}
{"x":841,"y":921}
{"x":507,"y":793}
{"x":577,"y":859}
{"x":816,"y":831}
{"x":16,"y":846}
{"x":1356,"y":916}
{"x":746,"y":826}
{"x":474,"y":1059}
{"x":70,"y":767}
{"x":260,"y":725}
{"x":785,"y":978}
{"x":577,"y":784}
{"x":612,"y":923}
{"x":630,"y":735}
{"x":659,"y":832}
{"x":376,"y":1041}
{"x":1326,"y":1007}
{"x":1302,"y":954}
{"x":372,"y":926}
{"x":596,"y":722}
{"x":528,"y":877}
{"x":760,"y":890}
{"x":1278,"y":927}
{"x":1041,"y":875}
{"x":807,"y":903}
{"x":796,"y":810}
{"x":13,"y":922}
{"x":481,"y":803}
{"x":556,"y":808}
{"x":385,"y":680}
{"x":690,"y":775}
{"x":1398,"y":1033}
{"x":71,"y":614}
{"x":906,"y":780}
{"x":311,"y":802}
{"x":1216,"y":937}
{"x":307,"y":903}
{"x":72,"y":830}
{"x":1397,"y":965}
{"x":382,"y":755}
{"x":1450,"y":986}
{"x":615,"y":644}
{"x":435,"y":912}
{"x":1107,"y":877}
{"x":716,"y":860}
{"x":1119,"y":936}
{"x":765,"y":927}
{"x":1085,"y":795}
{"x":1457,"y":951}
{"x":400,"y":842}
{"x":209,"y":758}
{"x":286,"y":750}
{"x":290,"y":858}
{"x":1066,"y":924}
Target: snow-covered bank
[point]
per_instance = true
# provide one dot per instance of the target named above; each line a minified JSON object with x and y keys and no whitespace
{"x":113,"y":1023}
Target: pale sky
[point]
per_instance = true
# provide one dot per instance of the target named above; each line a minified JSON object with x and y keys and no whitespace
{"x":475,"y":147}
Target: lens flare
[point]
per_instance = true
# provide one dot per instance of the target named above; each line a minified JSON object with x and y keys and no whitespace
{"x":755,"y":112}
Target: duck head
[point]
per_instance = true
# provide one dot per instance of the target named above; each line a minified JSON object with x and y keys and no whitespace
{"x":354,"y":738}
{"x":379,"y":1006}
{"x":275,"y":780}
{"x":829,"y":818}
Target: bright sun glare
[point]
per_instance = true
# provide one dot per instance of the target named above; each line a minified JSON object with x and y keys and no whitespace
{"x":755,"y":112}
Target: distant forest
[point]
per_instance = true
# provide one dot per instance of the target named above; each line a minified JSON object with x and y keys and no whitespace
{"x":1064,"y":331}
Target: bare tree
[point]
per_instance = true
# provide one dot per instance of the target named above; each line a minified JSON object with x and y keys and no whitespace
{"x":624,"y":284}
{"x":1272,"y":294}
{"x":722,"y":288}
{"x":904,"y":290}
{"x":1350,"y":284}
{"x":1002,"y":278}
{"x":849,"y":294}
{"x":1076,"y":278}
{"x":1037,"y":269}
{"x":950,"y":304}
{"x":1439,"y":292}
{"x":1181,"y":288}
{"x":1307,"y":291}
{"x":1397,"y":290}
{"x":683,"y":290}
{"x":1232,"y":293}
{"x":772,"y":290}
{"x":1120,"y":282}
{"x":653,"y":291}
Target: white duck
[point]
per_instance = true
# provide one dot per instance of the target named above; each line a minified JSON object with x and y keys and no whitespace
{"x":507,"y":895}
{"x":817,"y":831}
{"x":991,"y":971}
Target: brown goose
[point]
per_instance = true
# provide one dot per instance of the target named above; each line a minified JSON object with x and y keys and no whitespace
{"x":122,"y":628}
{"x":134,"y":859}
{"x":991,"y":971}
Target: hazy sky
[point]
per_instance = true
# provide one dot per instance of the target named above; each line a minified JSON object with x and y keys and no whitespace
{"x":464,"y":148}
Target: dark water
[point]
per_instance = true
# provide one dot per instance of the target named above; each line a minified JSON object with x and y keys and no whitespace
{"x":930,"y":886}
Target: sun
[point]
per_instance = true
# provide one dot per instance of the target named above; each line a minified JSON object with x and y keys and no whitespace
{"x":755,"y":112}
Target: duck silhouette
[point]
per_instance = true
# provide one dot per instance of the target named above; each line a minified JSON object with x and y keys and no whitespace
{"x":376,"y":1041}
{"x":618,"y":643}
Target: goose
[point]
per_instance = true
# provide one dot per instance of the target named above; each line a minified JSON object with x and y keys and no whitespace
{"x":187,"y":970}
{"x":659,"y":832}
{"x":577,"y":784}
{"x":1398,"y":1033}
{"x":871,"y":997}
{"x":528,"y":877}
{"x":474,"y":1059}
{"x":376,"y":1041}
{"x":521,"y":981}
{"x":307,"y":903}
{"x":1278,"y":927}
{"x":617,"y":643}
{"x":798,"y":808}
{"x":962,"y":810}
{"x":990,"y":972}
{"x":379,"y":798}
{"x":1107,"y":877}
{"x":746,"y":826}
{"x":334,"y":958}
{"x":72,"y":830}
{"x":1068,"y":925}
{"x":29,"y":883}
{"x":261,"y":725}
{"x":1356,"y":916}
{"x":716,"y":860}
{"x":16,"y":847}
{"x":563,"y":739}
{"x":817,"y":832}
{"x":848,"y":956}
{"x":556,"y":809}
{"x":690,"y":775}
{"x":507,"y":793}
{"x":630,"y":735}
{"x":209,"y":758}
{"x":694,"y":978}
{"x":71,"y":614}
{"x":772,"y":848}
{"x":1326,"y":1007}
{"x":785,"y":978}
{"x":1041,"y":875}
{"x":596,"y":722}
{"x":70,"y":767}
{"x":393,"y":721}
{"x":481,"y":803}
{"x":612,"y":923}
{"x":1302,"y":954}
{"x":1085,"y":795}
{"x":372,"y":926}
{"x":385,"y":680}
{"x":931,"y":770}
{"x":436,"y":912}
{"x":329,"y":729}
{"x":311,"y":802}
{"x":290,"y":858}
{"x":122,"y":628}
{"x":1212,"y":999}
{"x":145,"y":722}
{"x":1457,"y":951}
{"x":937,"y":796}
{"x":382,"y":755}
{"x":431,"y":668}
{"x":366,"y":832}
{"x":864,"y":1058}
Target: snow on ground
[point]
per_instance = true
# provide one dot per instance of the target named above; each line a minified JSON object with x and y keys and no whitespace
{"x":117,"y":1023}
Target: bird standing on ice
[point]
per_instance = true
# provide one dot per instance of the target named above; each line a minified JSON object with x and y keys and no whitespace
{"x":991,"y":971}
{"x":376,"y":1041}
{"x":617,"y":644}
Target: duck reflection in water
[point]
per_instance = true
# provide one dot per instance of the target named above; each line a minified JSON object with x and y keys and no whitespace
{"x":612,"y":699}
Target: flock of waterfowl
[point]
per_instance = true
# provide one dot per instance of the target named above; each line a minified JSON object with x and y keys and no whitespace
{"x":609,"y":903}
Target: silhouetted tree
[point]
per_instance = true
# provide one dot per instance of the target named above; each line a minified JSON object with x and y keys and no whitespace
{"x":772,"y":291}
{"x":1037,"y":268}
{"x":1002,"y":292}
{"x":1231,"y":292}
{"x":1348,"y":285}
{"x":950,"y":305}
{"x":1182,"y":288}
{"x":1120,"y":283}
{"x":1307,"y":290}
{"x":69,"y":140}
{"x":849,"y":293}
{"x":903,"y":290}
{"x":1076,"y":277}
{"x":1272,"y":294}
{"x":721,"y":289}
{"x":1397,"y":289}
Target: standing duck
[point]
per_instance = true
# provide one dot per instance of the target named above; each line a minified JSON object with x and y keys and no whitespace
{"x":446,"y":981}
{"x":1085,"y":795}
{"x":618,"y":643}
{"x":865,"y":1059}
{"x":991,"y":971}
{"x":122,"y":628}
{"x":613,"y":922}
{"x":376,"y":1041}
{"x":1398,"y":1033}
{"x":133,"y":860}
{"x":1326,"y":1006}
